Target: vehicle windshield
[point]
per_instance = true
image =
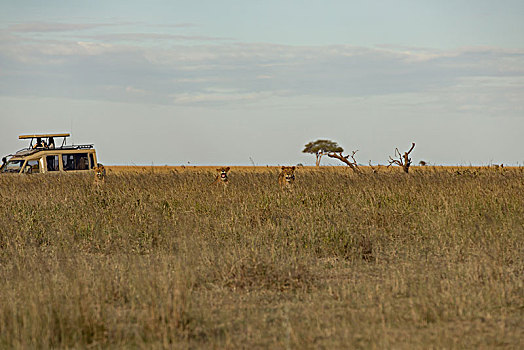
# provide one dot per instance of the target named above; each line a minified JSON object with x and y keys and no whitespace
{"x":13,"y":166}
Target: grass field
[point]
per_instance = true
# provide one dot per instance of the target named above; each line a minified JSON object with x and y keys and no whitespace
{"x":158,"y":258}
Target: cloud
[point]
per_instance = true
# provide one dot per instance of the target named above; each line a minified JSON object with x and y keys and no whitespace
{"x":49,"y":27}
{"x":105,"y":66}
{"x":34,"y":27}
{"x":136,"y":91}
{"x":141,"y":37}
{"x":218,"y":97}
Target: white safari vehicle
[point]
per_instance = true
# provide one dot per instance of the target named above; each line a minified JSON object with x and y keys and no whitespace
{"x":44,"y":156}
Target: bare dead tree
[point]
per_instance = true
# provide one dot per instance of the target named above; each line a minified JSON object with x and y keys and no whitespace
{"x":375,"y":169}
{"x":345,"y":159}
{"x":403,"y":160}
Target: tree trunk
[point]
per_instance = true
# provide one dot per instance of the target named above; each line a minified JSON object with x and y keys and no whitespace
{"x":407,"y":163}
{"x":319,"y":156}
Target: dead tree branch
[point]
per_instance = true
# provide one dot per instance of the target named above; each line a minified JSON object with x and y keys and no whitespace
{"x":403,"y":160}
{"x":375,"y":169}
{"x":345,"y":159}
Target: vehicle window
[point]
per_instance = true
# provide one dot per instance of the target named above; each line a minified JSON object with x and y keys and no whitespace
{"x":92,"y":160}
{"x":52,"y":163}
{"x":76,"y":161}
{"x":32,"y":166}
{"x":14,"y":166}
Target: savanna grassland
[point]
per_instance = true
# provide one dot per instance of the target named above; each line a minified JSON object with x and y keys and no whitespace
{"x":160,"y":259}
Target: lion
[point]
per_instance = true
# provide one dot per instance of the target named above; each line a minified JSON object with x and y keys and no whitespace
{"x":221,"y":177}
{"x":100,"y":174}
{"x":286,"y":178}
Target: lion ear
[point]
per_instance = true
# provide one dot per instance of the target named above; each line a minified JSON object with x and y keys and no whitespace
{"x":218,"y":169}
{"x":293,"y":167}
{"x":227,"y":169}
{"x":283,"y":167}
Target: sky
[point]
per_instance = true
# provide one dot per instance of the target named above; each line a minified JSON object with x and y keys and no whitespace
{"x":251,"y":82}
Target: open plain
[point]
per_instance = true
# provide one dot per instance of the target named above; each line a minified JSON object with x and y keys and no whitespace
{"x":156,"y":257}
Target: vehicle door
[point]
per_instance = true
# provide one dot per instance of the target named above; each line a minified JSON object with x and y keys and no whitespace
{"x":32,"y":166}
{"x":52,"y":163}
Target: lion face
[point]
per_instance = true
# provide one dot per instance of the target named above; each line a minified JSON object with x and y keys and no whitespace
{"x":287,"y":175}
{"x":100,"y":172}
{"x":222,"y":174}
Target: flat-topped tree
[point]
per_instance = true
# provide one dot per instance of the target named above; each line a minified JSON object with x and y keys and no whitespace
{"x":320,"y":148}
{"x":403,"y":160}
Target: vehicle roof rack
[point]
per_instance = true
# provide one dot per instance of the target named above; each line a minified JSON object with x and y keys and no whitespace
{"x":22,"y":137}
{"x":88,"y":146}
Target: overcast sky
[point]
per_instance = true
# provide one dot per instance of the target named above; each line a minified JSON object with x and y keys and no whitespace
{"x":231,"y":82}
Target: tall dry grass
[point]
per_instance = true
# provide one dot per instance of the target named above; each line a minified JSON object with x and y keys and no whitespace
{"x":433,"y":259}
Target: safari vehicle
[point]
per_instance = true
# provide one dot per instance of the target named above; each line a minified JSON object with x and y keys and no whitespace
{"x":43,"y":156}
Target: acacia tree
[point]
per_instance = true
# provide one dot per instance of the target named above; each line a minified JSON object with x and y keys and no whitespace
{"x":320,"y":148}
